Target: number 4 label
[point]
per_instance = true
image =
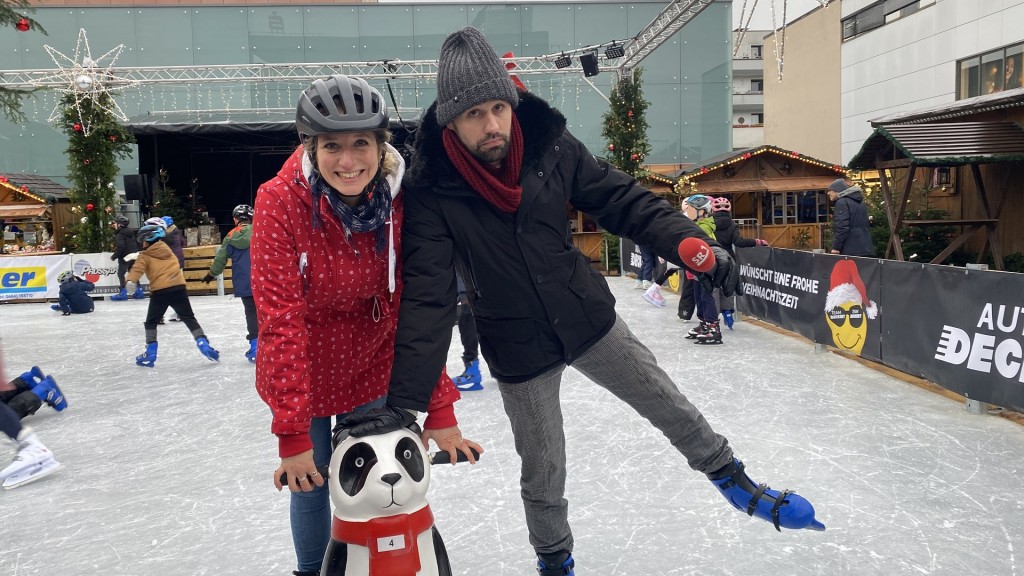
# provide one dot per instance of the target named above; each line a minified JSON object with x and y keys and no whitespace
{"x":389,"y":543}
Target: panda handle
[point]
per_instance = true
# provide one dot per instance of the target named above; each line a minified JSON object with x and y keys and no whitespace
{"x":323,"y":470}
{"x":445,"y":458}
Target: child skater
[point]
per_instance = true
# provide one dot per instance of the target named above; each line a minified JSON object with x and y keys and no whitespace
{"x":166,"y":288}
{"x":33,"y":461}
{"x":74,"y":294}
{"x":698,"y":209}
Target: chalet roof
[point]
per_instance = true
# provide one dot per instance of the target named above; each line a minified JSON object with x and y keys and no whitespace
{"x":966,"y":107}
{"x":38,"y":186}
{"x":943,"y":144}
{"x":722,"y":160}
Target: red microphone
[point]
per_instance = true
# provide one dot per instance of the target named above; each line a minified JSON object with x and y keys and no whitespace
{"x":696,"y":254}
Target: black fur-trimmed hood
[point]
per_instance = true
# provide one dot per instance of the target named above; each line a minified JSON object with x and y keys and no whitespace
{"x":541,"y":125}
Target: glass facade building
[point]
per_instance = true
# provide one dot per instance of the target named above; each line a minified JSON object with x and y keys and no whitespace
{"x":687,"y":80}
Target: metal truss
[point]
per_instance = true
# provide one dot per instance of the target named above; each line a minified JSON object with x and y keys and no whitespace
{"x":121,"y":77}
{"x":677,"y":14}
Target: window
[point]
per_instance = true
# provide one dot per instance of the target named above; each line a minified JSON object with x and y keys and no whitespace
{"x":755,"y":51}
{"x":757,"y":85}
{"x":991,"y":72}
{"x":879,"y":14}
{"x":757,"y":117}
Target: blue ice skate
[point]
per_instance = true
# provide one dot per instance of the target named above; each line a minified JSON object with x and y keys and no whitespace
{"x":470,"y":379}
{"x":251,"y":354}
{"x":148,"y":358}
{"x":48,"y":392}
{"x":120,"y":296}
{"x":32,"y":377}
{"x":727,"y":316}
{"x":783,"y":510}
{"x":204,"y":346}
{"x":558,"y":564}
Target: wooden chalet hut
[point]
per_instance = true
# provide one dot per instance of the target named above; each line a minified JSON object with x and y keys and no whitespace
{"x":964,"y":158}
{"x":38,"y":207}
{"x":778,"y":195}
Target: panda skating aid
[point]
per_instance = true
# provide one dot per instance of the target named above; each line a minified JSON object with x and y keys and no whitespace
{"x":383,"y":525}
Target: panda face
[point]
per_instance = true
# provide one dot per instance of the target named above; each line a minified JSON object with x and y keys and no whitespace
{"x":379,"y":475}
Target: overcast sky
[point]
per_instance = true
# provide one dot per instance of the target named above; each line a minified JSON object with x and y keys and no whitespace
{"x":762,"y":19}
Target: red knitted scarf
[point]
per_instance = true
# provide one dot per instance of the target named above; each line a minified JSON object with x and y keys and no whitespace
{"x":391,"y":540}
{"x":500,"y":187}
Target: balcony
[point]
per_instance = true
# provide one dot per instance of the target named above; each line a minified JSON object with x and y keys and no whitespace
{"x":747,"y":101}
{"x":747,"y":66}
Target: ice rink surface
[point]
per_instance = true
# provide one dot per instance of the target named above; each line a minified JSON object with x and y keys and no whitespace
{"x":167,"y":471}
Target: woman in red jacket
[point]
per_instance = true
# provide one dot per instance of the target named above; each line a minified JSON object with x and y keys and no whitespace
{"x":326,"y":281}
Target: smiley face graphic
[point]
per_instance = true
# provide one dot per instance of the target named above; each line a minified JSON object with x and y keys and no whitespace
{"x":847,"y":308}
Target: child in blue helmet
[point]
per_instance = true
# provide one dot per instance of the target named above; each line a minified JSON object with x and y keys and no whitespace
{"x":167,"y":289}
{"x":74,"y":294}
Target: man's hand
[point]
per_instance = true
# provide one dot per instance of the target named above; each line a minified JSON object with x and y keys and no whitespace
{"x":377,"y":421}
{"x":208,"y":278}
{"x":450,"y":440}
{"x":725,"y":274}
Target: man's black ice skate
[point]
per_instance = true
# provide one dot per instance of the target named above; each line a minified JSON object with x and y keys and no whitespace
{"x":712,"y":335}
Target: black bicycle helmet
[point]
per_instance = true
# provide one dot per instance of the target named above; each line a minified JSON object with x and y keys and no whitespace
{"x":242,"y":212}
{"x":340,"y":103}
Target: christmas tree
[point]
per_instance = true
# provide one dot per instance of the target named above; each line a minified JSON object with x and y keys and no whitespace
{"x":625,"y":126}
{"x":96,"y":140}
{"x":13,"y":13}
{"x":186,"y":212}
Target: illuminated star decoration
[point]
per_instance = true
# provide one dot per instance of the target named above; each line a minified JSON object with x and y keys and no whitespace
{"x":86,"y":78}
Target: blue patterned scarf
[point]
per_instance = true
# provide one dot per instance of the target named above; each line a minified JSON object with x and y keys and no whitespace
{"x":367,"y":216}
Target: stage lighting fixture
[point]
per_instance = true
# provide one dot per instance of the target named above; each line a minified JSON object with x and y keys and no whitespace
{"x":589,"y":62}
{"x":563,"y":61}
{"x":616,"y":50}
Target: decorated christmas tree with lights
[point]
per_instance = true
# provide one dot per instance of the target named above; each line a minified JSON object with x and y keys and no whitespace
{"x":625,"y":126}
{"x":90,"y":117}
{"x":92,"y":168}
{"x":15,"y":13}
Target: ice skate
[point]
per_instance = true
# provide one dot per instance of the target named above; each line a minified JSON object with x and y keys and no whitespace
{"x":147,"y":358}
{"x":209,"y":351}
{"x":122,"y":295}
{"x":654,"y":297}
{"x":48,"y":392}
{"x":712,"y":335}
{"x":697,"y":330}
{"x":139,"y":294}
{"x":558,"y":564}
{"x":727,"y":317}
{"x":783,"y":509}
{"x":251,"y":354}
{"x":470,"y":379}
{"x":55,"y":307}
{"x":33,"y":462}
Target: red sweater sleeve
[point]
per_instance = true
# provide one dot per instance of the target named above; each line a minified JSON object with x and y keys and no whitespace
{"x":441,"y":410}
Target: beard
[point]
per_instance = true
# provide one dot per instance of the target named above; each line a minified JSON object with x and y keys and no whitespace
{"x":491,"y":155}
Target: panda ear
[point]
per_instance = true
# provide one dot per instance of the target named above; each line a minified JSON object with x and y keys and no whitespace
{"x":415,"y":428}
{"x":340,"y":434}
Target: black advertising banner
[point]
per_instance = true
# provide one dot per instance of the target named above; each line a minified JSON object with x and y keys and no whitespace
{"x":629,"y":256}
{"x":829,"y":299}
{"x":962,"y":329}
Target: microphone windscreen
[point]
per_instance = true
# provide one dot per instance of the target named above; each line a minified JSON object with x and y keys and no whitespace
{"x":696,"y":254}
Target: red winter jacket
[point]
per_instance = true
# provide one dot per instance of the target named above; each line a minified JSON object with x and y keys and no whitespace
{"x":327,"y":317}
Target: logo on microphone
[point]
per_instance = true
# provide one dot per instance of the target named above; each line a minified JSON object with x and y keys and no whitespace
{"x":701,"y":257}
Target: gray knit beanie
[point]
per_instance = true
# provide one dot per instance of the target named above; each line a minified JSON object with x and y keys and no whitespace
{"x":838,"y":185}
{"x":469,"y":72}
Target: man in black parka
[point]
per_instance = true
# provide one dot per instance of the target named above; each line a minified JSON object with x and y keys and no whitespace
{"x":493,"y":173}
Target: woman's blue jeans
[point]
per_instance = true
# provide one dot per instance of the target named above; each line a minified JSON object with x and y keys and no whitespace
{"x":311,"y":511}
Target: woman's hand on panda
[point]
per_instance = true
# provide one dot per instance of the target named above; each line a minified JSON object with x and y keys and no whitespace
{"x":450,"y":440}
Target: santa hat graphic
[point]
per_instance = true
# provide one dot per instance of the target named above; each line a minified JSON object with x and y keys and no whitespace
{"x":846,"y":286}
